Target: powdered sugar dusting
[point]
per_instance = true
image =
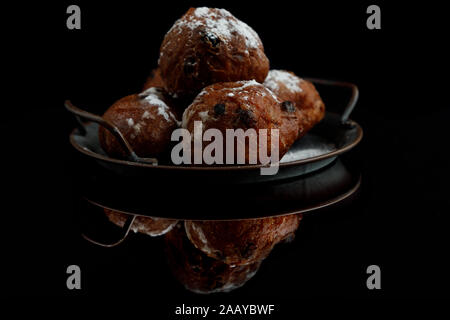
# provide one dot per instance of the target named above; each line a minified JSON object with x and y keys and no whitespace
{"x":201,"y":236}
{"x":241,"y":90}
{"x":275,"y":77}
{"x":161,"y":232}
{"x":243,"y":85}
{"x":137,"y":127}
{"x":204,"y":115}
{"x":154,"y":97}
{"x":219,"y":22}
{"x":246,"y":84}
{"x":147,"y":115}
{"x":146,"y":226}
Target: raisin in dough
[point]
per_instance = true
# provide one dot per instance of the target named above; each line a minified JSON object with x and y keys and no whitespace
{"x":208,"y":45}
{"x":301,"y":93}
{"x":244,"y":105}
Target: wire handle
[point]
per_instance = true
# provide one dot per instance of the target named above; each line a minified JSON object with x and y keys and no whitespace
{"x":79,"y":114}
{"x":125,"y":231}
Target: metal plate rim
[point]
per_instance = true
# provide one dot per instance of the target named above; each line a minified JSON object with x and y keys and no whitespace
{"x":101,"y":157}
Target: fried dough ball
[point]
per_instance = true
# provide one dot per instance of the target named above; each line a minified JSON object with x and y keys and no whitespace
{"x":145,"y":120}
{"x":154,"y":80}
{"x":208,"y":45}
{"x":302,"y":93}
{"x":241,"y":242}
{"x":200,"y":273}
{"x":244,"y":105}
{"x":178,"y":104}
{"x":150,"y":226}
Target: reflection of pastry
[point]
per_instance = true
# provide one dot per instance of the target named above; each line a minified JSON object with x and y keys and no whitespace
{"x":150,"y":226}
{"x":154,"y":80}
{"x":208,"y":45}
{"x":241,"y":242}
{"x":200,"y":273}
{"x":145,"y":120}
{"x":244,"y":105}
{"x":288,"y":87}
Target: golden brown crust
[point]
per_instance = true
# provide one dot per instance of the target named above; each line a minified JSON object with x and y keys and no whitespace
{"x":241,"y":242}
{"x":149,"y":226}
{"x":243,"y":105}
{"x":288,"y":87}
{"x":200,"y":273}
{"x":208,"y":45}
{"x":145,"y":120}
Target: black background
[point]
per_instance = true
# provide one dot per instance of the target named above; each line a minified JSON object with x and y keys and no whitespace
{"x":398,"y":222}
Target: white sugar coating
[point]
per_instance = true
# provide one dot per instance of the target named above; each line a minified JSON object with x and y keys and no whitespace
{"x":201,"y":12}
{"x":241,"y":90}
{"x":154,"y":97}
{"x":147,"y":115}
{"x":201,"y":236}
{"x":204,"y":115}
{"x":142,"y":226}
{"x":219,"y":22}
{"x":130,"y":122}
{"x":273,"y":95}
{"x":246,"y":83}
{"x":137,"y":127}
{"x":280,"y":76}
{"x":306,"y":153}
{"x":160,"y":233}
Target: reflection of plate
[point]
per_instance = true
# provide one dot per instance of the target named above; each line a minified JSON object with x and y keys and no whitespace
{"x":223,"y":202}
{"x":334,"y":135}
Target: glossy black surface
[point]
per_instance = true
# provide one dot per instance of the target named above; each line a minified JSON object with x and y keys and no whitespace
{"x":399,"y":221}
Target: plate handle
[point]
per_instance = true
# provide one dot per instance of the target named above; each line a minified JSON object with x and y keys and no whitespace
{"x":82,"y":114}
{"x":351,"y":102}
{"x":125,"y":231}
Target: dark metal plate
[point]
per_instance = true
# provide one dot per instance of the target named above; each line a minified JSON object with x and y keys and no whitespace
{"x":314,"y":151}
{"x":334,"y":135}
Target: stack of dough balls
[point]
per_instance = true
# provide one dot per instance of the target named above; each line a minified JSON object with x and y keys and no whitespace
{"x":212,"y":68}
